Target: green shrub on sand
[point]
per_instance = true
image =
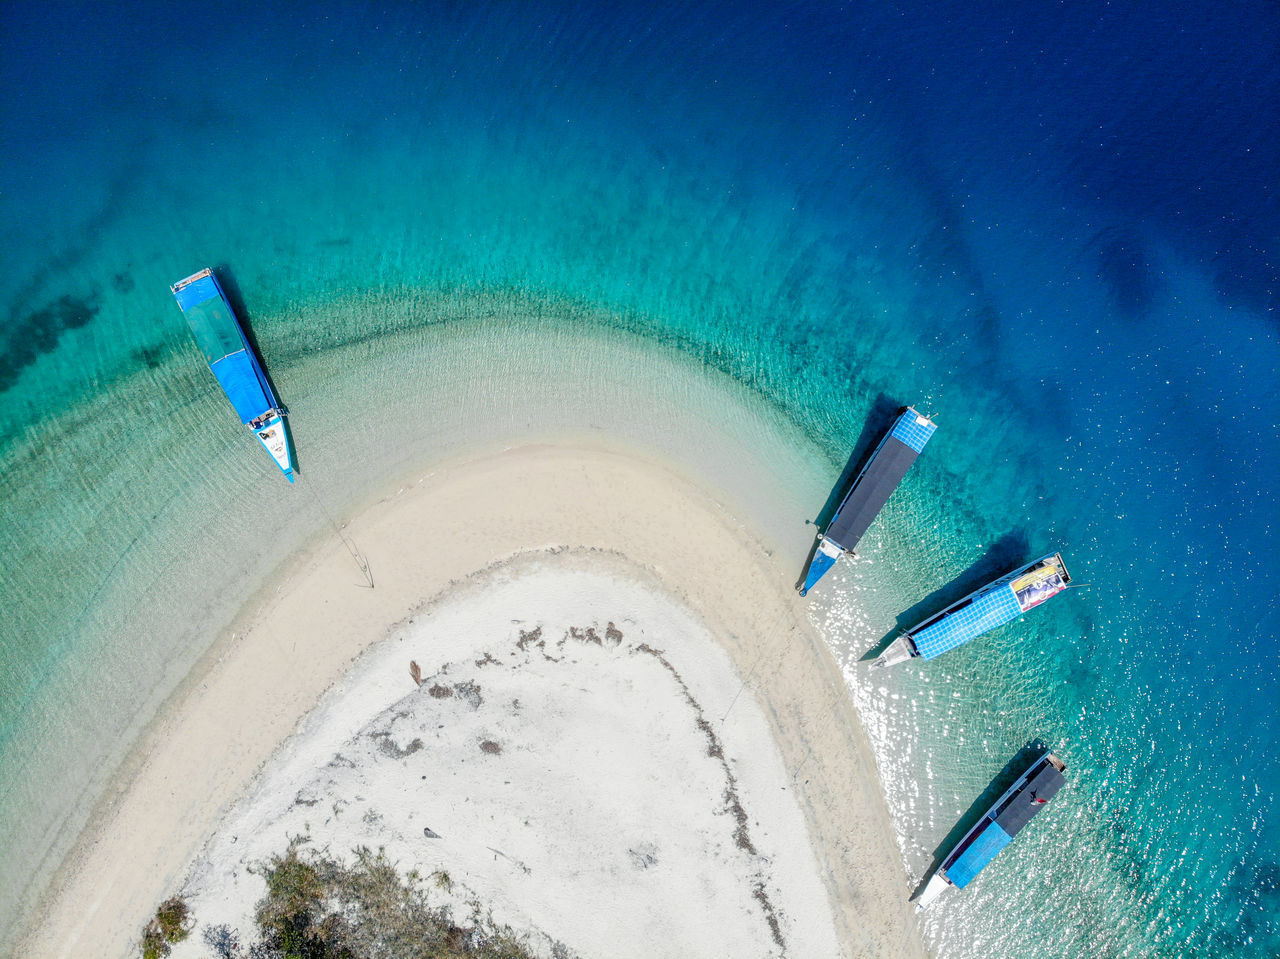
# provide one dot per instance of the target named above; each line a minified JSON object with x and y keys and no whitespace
{"x":171,"y":923}
{"x":319,"y":907}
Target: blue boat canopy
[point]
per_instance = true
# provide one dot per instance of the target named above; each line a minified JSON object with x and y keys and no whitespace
{"x":984,"y":847}
{"x":913,"y":430}
{"x":220,"y":338}
{"x":982,"y":613}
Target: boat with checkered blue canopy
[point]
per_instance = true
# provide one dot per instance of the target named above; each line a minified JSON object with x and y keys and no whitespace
{"x":221,"y":338}
{"x":1000,"y":601}
{"x":997,"y":827}
{"x":867,"y":495}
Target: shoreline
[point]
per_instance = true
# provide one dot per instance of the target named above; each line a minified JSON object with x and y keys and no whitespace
{"x":303,"y":630}
{"x":578,"y":748}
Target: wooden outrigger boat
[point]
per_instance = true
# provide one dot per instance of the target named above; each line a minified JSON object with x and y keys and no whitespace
{"x":1000,"y":601}
{"x":868,"y":493}
{"x":996,"y":829}
{"x":226,"y":348}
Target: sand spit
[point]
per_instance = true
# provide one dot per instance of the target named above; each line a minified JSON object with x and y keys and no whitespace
{"x":577,"y":761}
{"x":706,"y":619}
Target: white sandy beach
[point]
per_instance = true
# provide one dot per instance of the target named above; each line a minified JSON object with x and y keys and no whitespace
{"x":596,"y":787}
{"x":555,"y":752}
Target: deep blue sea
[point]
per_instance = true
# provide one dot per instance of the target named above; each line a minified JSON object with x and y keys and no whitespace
{"x":1054,"y":226}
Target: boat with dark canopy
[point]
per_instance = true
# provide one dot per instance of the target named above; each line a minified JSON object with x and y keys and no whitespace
{"x":997,"y":828}
{"x":868,"y":493}
{"x":1000,"y":601}
{"x":226,"y":348}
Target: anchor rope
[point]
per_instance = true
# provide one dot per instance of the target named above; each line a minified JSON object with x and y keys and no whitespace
{"x":361,"y":561}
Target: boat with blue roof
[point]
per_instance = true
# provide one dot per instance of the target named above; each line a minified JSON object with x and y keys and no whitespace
{"x":869,"y":492}
{"x":997,"y":828}
{"x":222,"y":339}
{"x":1000,"y":601}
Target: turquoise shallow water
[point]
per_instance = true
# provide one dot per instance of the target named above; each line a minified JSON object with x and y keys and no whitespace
{"x":491,"y":224}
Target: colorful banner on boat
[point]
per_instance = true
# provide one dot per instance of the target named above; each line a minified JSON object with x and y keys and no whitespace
{"x":1035,"y":586}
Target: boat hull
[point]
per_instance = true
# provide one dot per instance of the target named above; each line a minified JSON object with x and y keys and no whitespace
{"x":935,"y":887}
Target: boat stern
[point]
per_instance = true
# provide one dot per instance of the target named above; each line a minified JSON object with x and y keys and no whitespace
{"x":824,"y":558}
{"x":936,"y":886}
{"x":275,"y":440}
{"x":899,"y":651}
